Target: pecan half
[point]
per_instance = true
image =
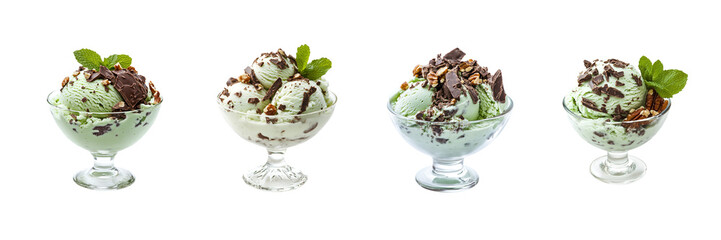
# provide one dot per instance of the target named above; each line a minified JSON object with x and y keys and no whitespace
{"x":404,"y":86}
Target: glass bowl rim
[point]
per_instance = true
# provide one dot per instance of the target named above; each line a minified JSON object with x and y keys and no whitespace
{"x":578,"y":116}
{"x":331,"y":107}
{"x":499,"y":116}
{"x":153,"y":106}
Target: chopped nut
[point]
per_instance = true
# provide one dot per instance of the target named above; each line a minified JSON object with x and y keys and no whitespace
{"x":106,"y":82}
{"x":453,"y":101}
{"x":463,"y":66}
{"x":418,"y":71}
{"x":87,"y":75}
{"x":442,"y":71}
{"x":118,"y":67}
{"x":432,"y":76}
{"x":132,"y":69}
{"x":468,"y":69}
{"x":404,"y":86}
{"x":433,"y":83}
{"x":75,"y":74}
{"x":156,"y":94}
{"x":475,"y":79}
{"x":244,"y":78}
{"x":258,"y":87}
{"x":65,"y":81}
{"x":654,"y":113}
{"x":270,"y":110}
{"x":282,"y":53}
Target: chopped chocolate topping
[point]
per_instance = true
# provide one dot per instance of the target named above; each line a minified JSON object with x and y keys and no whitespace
{"x":84,"y":99}
{"x":584,"y":77}
{"x":614,"y":92}
{"x":600,"y":134}
{"x":225,"y":92}
{"x":311,"y":128}
{"x":94,"y":76}
{"x":455,"y":54}
{"x":590,"y":104}
{"x":273,"y":89}
{"x":638,"y":80}
{"x":281,"y":107}
{"x":618,"y":63}
{"x":306,"y":99}
{"x":130,"y":87}
{"x":620,"y":84}
{"x":597,"y":80}
{"x":442,"y":140}
{"x":251,"y":73}
{"x":618,"y":113}
{"x":452,"y":86}
{"x":253,"y":100}
{"x":587,"y":63}
{"x":499,"y":94}
{"x":260,"y":64}
{"x":474,"y":94}
{"x":231,"y":81}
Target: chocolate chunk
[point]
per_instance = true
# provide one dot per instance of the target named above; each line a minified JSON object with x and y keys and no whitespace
{"x":618,"y":63}
{"x":102,"y":129}
{"x":261,"y":136}
{"x":600,"y":134}
{"x":452,"y":86}
{"x":94,"y":76}
{"x":279,"y":63}
{"x":251,"y":73}
{"x":238,"y":94}
{"x":620,"y":84}
{"x":638,"y":80}
{"x":614,"y":92}
{"x":584,"y":77}
{"x":597,"y":80}
{"x":587,"y":63}
{"x":273,"y":89}
{"x":311,"y":128}
{"x":419,"y":115}
{"x":231,"y":81}
{"x":306,"y":99}
{"x":455,"y":54}
{"x":610,"y":142}
{"x":225,"y":92}
{"x":105,"y":74}
{"x":590,"y":104}
{"x":281,"y":107}
{"x":499,"y":94}
{"x":437,"y":130}
{"x":84,"y":99}
{"x":130,"y":88}
{"x":594,"y":72}
{"x":253,"y":100}
{"x":442,"y":140}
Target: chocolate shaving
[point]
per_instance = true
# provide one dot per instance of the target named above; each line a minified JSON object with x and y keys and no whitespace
{"x":273,"y":89}
{"x":587,"y":63}
{"x":253,"y":100}
{"x":499,"y":94}
{"x":261,"y":136}
{"x":590,"y":104}
{"x":614,"y":92}
{"x":312,"y":127}
{"x":638,"y":80}
{"x":620,"y":84}
{"x":231,"y":81}
{"x":306,"y":99}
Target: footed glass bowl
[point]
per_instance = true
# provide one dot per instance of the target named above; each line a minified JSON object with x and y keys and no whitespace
{"x":448,"y":143}
{"x":103,"y":134}
{"x":277,"y":133}
{"x":617,"y":138}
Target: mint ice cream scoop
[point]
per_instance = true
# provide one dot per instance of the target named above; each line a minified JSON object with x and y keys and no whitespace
{"x":415,"y":99}
{"x":299,"y":96}
{"x":80,"y":95}
{"x":243,"y":97}
{"x":606,"y":89}
{"x":272,"y":66}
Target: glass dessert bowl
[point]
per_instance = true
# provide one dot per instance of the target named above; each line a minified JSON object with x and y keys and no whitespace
{"x":103,"y":134}
{"x":617,"y":138}
{"x":448,"y":143}
{"x":277,"y":133}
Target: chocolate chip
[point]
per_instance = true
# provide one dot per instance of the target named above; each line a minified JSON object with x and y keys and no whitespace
{"x":273,"y":89}
{"x":253,"y":100}
{"x":281,"y":107}
{"x":584,"y":77}
{"x":442,"y":140}
{"x":231,"y":81}
{"x":84,"y":99}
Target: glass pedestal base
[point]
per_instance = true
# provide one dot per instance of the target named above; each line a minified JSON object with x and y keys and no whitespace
{"x":608,"y":171}
{"x":101,"y":179}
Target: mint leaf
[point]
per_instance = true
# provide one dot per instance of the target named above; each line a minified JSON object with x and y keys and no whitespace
{"x":123,"y":59}
{"x":657,"y":70}
{"x":302,"y":55}
{"x":669,"y":82}
{"x":646,"y":68}
{"x":88,"y":58}
{"x":316,"y":69}
{"x":110,"y":61}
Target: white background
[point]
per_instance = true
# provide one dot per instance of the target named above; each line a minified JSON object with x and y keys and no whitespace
{"x":534,"y":178}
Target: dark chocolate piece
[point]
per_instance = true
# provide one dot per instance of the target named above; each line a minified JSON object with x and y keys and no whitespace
{"x":587,"y":63}
{"x":311,"y":128}
{"x":455,"y":54}
{"x":306,"y":99}
{"x":499,"y":94}
{"x":130,"y":88}
{"x":273,"y":89}
{"x":638,"y":80}
{"x":231,"y":81}
{"x":452,"y":86}
{"x":614,"y":92}
{"x":253,"y":100}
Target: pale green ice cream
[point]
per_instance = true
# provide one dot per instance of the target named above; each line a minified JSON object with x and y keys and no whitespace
{"x":489,"y":107}
{"x":243,"y":97}
{"x":289,"y":98}
{"x":271,"y":66}
{"x":81,"y":95}
{"x":413,"y":100}
{"x":602,"y":103}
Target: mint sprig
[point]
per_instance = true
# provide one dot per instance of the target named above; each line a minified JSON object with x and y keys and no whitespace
{"x":313,"y":70}
{"x":92,"y":60}
{"x":665,"y":82}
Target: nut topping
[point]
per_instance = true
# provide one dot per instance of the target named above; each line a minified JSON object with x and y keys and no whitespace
{"x":65,"y":81}
{"x":244,"y":78}
{"x":118,"y":67}
{"x":442,"y":71}
{"x":404,"y":86}
{"x":418,"y":71}
{"x":270,"y":109}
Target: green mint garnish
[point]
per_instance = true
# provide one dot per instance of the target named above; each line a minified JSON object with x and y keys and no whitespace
{"x":91,"y":60}
{"x":665,"y":82}
{"x":88,"y":58}
{"x":313,"y":70}
{"x":301,"y":57}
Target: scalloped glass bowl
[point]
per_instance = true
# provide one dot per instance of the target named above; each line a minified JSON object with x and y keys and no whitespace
{"x":617,"y":138}
{"x":103,"y":134}
{"x":448,"y":143}
{"x":277,"y":133}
